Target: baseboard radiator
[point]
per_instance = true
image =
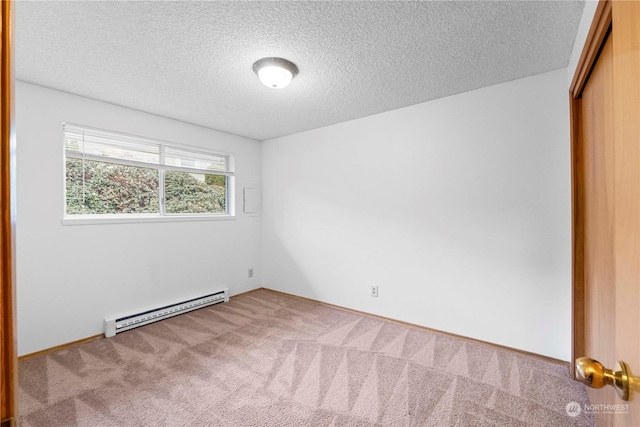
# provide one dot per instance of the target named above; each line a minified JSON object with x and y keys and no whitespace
{"x":124,"y":322}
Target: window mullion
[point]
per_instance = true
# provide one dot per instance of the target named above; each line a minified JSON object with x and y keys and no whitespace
{"x":161,"y":191}
{"x":161,"y":194}
{"x":84,"y":184}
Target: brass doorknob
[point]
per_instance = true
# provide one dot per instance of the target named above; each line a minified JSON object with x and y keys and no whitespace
{"x":592,"y":373}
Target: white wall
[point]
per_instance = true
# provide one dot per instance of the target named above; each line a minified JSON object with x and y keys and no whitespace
{"x":70,"y":277}
{"x":458,"y":209}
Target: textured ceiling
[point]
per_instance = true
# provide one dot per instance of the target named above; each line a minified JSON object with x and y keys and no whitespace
{"x":192,"y":60}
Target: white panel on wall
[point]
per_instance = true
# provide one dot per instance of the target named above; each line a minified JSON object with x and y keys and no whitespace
{"x":458,"y":209}
{"x":75,"y":276}
{"x":251,"y":200}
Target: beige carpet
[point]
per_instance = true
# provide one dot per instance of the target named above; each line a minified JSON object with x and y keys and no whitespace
{"x":266,"y":359}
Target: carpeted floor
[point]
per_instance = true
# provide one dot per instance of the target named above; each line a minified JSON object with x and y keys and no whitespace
{"x":267,"y":359}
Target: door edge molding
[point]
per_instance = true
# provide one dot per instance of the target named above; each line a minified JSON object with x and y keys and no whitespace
{"x":8,"y":347}
{"x":595,"y":38}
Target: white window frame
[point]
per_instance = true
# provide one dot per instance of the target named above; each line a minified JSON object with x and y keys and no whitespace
{"x":161,"y":216}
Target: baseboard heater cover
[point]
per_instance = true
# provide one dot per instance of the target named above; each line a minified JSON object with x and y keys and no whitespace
{"x":124,"y":322}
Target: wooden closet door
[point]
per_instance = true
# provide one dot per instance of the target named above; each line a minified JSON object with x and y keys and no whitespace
{"x":606,"y":201}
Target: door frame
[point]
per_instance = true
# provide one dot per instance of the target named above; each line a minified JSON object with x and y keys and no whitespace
{"x":8,"y":348}
{"x":598,"y":31}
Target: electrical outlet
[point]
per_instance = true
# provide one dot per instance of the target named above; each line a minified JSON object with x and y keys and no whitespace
{"x":250,"y":273}
{"x":374,"y":291}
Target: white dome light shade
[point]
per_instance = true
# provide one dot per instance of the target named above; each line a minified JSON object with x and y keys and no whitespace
{"x":275,"y":77}
{"x":275,"y":73}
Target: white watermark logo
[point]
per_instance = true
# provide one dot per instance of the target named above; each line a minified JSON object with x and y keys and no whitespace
{"x":620,"y":408}
{"x":573,"y":409}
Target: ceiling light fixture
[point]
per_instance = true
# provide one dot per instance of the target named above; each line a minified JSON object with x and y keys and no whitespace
{"x":275,"y":73}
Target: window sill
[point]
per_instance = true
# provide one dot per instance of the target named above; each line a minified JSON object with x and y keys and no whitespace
{"x":126,"y":219}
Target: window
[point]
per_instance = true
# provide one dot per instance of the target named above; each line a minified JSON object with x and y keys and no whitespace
{"x":113,"y":175}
